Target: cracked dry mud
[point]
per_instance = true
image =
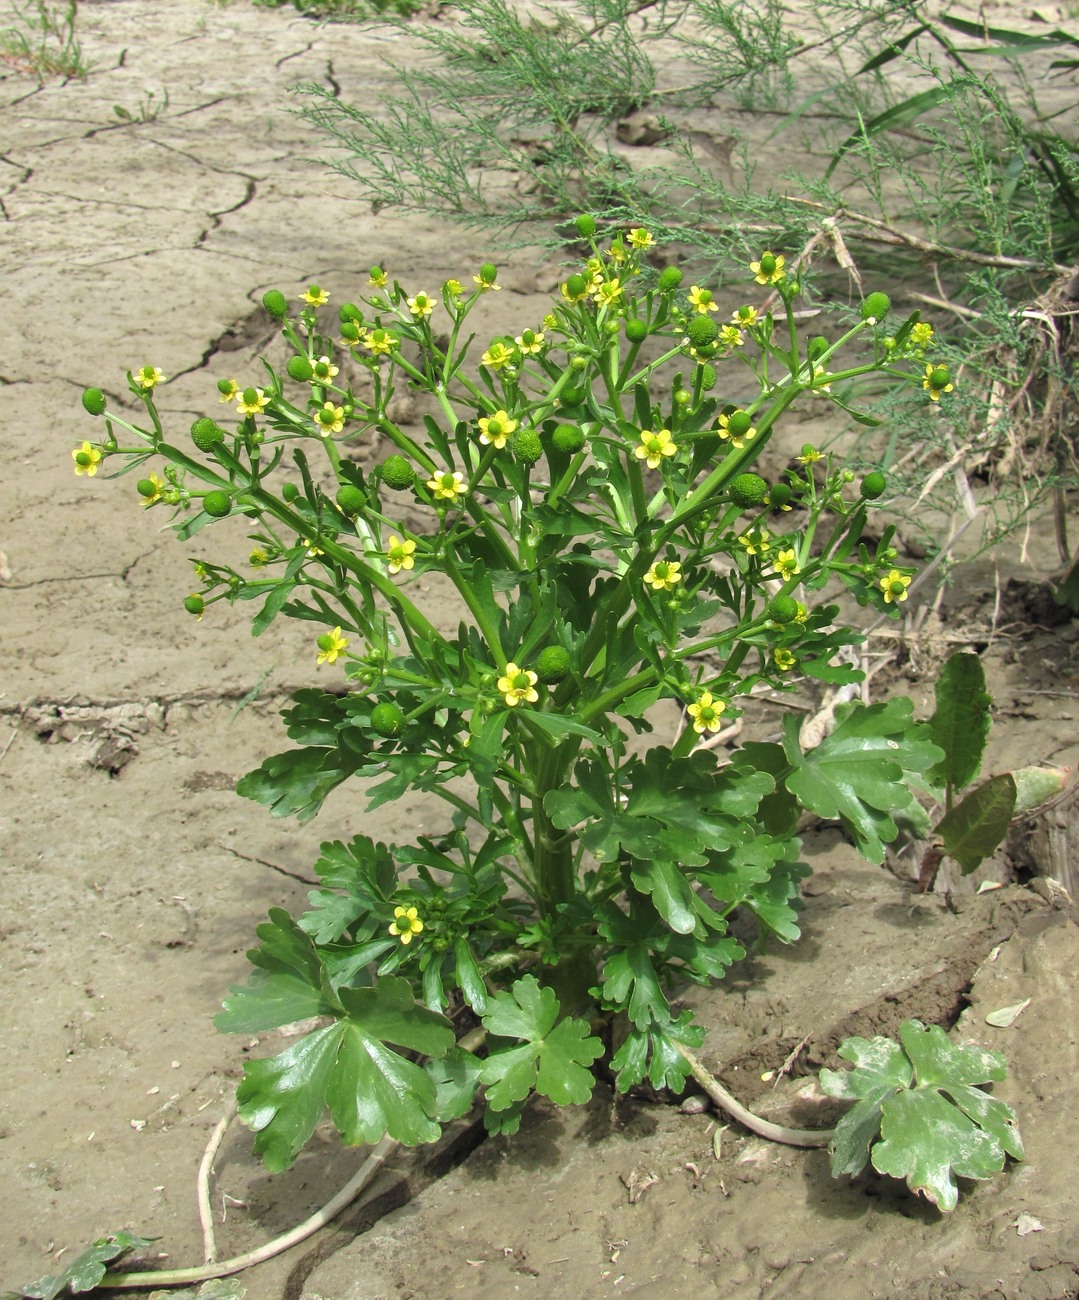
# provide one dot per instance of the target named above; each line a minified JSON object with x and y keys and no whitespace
{"x":133,"y":876}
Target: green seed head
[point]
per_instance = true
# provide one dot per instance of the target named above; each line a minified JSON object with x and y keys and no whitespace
{"x":669,"y":279}
{"x":275,"y":303}
{"x":748,"y":491}
{"x":299,"y":368}
{"x":768,"y":264}
{"x":397,"y":473}
{"x":636,"y":331}
{"x":876,"y":307}
{"x":576,"y":285}
{"x":939,"y":378}
{"x":553,"y":664}
{"x":586,"y":226}
{"x":388,"y":719}
{"x":873,"y":485}
{"x":348,"y":311}
{"x":194,"y":604}
{"x":708,"y":377}
{"x":350,"y":499}
{"x":702,"y":331}
{"x":527,"y":446}
{"x":146,"y":488}
{"x":782,"y":609}
{"x":488,"y":273}
{"x":568,"y":438}
{"x":93,"y":401}
{"x":224,"y":387}
{"x":250,"y":396}
{"x":780,"y":494}
{"x":206,"y":434}
{"x":739,"y":423}
{"x":218,"y":504}
{"x":325,"y":641}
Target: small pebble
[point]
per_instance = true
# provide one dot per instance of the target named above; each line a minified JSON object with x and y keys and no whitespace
{"x":694,"y":1105}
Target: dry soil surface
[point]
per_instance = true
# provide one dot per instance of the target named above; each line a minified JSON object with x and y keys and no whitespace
{"x":133,"y":875}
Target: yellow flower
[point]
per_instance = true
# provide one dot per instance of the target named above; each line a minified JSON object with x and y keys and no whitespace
{"x":937,"y":381}
{"x":769,"y":270}
{"x":786,"y":564}
{"x":497,"y":355}
{"x":159,"y":486}
{"x":640,"y":238}
{"x":737,"y":426}
{"x":810,"y":455}
{"x":571,"y":292}
{"x":379,"y":279}
{"x":228,"y":388}
{"x":730,"y":336}
{"x":706,"y":713}
{"x":550,"y":322}
{"x":448,"y":485}
{"x":329,"y":419}
{"x":406,"y":922}
{"x":654,"y":446}
{"x":530,"y":342}
{"x":486,"y":279}
{"x":87,"y":459}
{"x":702,"y":300}
{"x":784,"y":660}
{"x":258,"y":559}
{"x":252,"y":401}
{"x":518,"y":685}
{"x":607,"y":292}
{"x":803,"y":612}
{"x":323,"y":370}
{"x":495,"y":429}
{"x":819,"y":374}
{"x":352,"y":335}
{"x":921,"y":335}
{"x":756,"y":541}
{"x":399,"y":554}
{"x":380,"y":341}
{"x":664,"y":575}
{"x":330,"y":645}
{"x":420,"y":305}
{"x":148,"y":377}
{"x":745,"y":317}
{"x":453,"y":287}
{"x":894,"y":586}
{"x":314,"y":296}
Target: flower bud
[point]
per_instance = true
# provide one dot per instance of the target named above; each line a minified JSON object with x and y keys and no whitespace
{"x":206,"y":434}
{"x":387,"y":719}
{"x":586,"y":226}
{"x":275,"y":303}
{"x":873,"y":485}
{"x":636,"y":331}
{"x":670,"y":278}
{"x":682,"y":397}
{"x":397,"y":473}
{"x":747,"y":490}
{"x":568,"y":438}
{"x":299,"y":368}
{"x":527,"y":446}
{"x":578,"y":363}
{"x":217,"y":503}
{"x":350,"y":499}
{"x":289,"y":492}
{"x":876,"y":307}
{"x":93,"y":401}
{"x":702,"y":331}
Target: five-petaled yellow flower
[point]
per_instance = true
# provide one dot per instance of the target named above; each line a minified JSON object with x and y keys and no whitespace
{"x":706,"y":713}
{"x":640,"y":238}
{"x":894,"y":586}
{"x":737,"y":426}
{"x":664,"y":575}
{"x":329,"y":419}
{"x":258,"y":559}
{"x":406,"y":922}
{"x":702,"y":300}
{"x":379,"y":279}
{"x":421,"y":305}
{"x":158,"y":485}
{"x":786,"y":564}
{"x":148,"y":377}
{"x":497,"y":355}
{"x":447,"y":485}
{"x":783,"y":659}
{"x":228,"y":389}
{"x":495,"y":429}
{"x":314,"y":296}
{"x":486,"y":280}
{"x":330,"y":645}
{"x":810,"y":455}
{"x":252,"y":401}
{"x":399,"y":554}
{"x":769,"y":270}
{"x":921,"y":335}
{"x":87,"y":459}
{"x":937,"y":381}
{"x":756,"y":541}
{"x":530,"y":342}
{"x":518,"y":686}
{"x":323,"y":370}
{"x":745,"y":317}
{"x":730,"y":336}
{"x":654,"y":446}
{"x":606,"y":292}
{"x":380,"y":341}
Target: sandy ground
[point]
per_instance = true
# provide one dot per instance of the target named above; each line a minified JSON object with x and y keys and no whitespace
{"x":133,"y":876}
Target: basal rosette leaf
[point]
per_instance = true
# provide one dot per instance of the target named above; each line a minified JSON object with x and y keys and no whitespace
{"x":863,"y":771}
{"x":86,"y":1270}
{"x":554,"y":1057}
{"x":880,"y":1071}
{"x":651,"y":1053}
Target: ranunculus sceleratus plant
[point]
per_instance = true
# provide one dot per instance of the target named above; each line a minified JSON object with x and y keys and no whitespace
{"x":586,"y":488}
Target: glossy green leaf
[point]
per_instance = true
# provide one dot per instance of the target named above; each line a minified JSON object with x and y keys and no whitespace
{"x":286,"y":985}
